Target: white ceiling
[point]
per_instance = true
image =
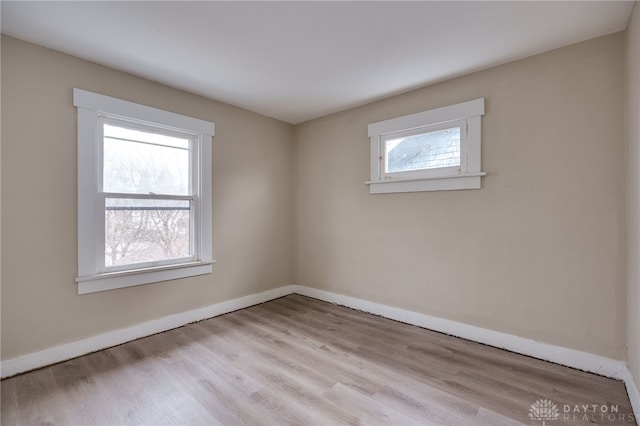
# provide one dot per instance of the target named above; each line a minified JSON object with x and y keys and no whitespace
{"x":300,"y":60}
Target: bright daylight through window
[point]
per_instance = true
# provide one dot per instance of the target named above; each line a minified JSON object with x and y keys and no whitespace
{"x":142,"y":226}
{"x":436,"y":149}
{"x":144,"y":194}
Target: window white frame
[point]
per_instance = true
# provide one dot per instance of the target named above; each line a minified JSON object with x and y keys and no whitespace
{"x":95,"y":109}
{"x":467,"y":116}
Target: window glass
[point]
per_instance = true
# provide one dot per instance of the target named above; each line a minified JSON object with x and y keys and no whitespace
{"x":145,"y":162}
{"x":429,"y":150}
{"x":146,"y":230}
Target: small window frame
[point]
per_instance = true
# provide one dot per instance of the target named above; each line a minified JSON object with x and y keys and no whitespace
{"x":465,"y":115}
{"x":93,"y":111}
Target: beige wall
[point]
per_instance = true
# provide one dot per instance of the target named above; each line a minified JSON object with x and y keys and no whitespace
{"x":633,"y":191}
{"x":538,"y":252}
{"x":252,"y":203}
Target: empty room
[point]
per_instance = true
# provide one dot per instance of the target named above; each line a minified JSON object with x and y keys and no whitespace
{"x":320,"y":213}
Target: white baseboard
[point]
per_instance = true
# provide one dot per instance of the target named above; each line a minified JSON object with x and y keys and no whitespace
{"x":558,"y":354}
{"x":633,"y":391}
{"x":67,"y":351}
{"x":569,"y":357}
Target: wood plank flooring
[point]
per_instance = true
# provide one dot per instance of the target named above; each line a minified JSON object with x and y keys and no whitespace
{"x":300,"y":361}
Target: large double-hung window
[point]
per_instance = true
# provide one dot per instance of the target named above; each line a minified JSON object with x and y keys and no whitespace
{"x":144,"y":194}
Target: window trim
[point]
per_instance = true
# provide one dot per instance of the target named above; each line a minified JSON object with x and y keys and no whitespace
{"x":467,"y":176}
{"x":91,"y":106}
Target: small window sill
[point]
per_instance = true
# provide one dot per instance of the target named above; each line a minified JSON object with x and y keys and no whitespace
{"x":430,"y":183}
{"x":121,"y":279}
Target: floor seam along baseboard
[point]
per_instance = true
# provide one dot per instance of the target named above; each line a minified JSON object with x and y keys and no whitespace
{"x":585,"y":361}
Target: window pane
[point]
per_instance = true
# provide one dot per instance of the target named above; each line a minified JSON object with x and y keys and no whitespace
{"x":144,"y":162}
{"x":146,"y":230}
{"x":430,"y":150}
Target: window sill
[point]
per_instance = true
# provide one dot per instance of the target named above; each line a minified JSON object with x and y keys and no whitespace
{"x":430,"y":183}
{"x":121,"y":279}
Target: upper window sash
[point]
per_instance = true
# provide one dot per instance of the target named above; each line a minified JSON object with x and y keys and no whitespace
{"x":193,"y":148}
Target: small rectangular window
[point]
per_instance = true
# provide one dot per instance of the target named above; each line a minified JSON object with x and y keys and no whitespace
{"x":431,"y":150}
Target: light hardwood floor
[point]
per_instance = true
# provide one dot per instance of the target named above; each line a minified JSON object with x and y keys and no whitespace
{"x":300,"y":361}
